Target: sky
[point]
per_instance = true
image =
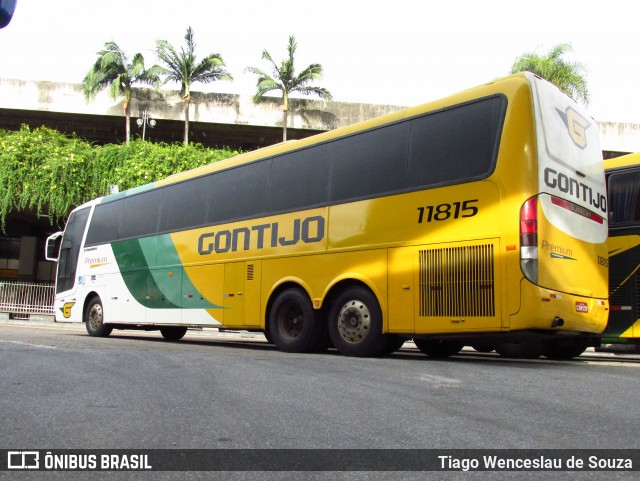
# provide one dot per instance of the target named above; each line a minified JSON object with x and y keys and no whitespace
{"x":404,"y":52}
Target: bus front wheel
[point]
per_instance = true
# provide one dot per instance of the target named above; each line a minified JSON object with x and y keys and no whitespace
{"x":294,"y":326}
{"x":355,"y":323}
{"x":94,"y":319}
{"x":173,"y":333}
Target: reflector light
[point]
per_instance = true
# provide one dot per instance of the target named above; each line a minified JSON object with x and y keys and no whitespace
{"x":529,"y":239}
{"x":576,"y":209}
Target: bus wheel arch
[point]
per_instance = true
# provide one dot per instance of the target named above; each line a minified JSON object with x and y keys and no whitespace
{"x":93,"y":317}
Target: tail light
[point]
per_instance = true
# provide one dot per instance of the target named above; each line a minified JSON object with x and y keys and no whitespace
{"x":529,"y":239}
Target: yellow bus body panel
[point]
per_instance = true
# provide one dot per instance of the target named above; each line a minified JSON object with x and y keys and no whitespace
{"x":381,"y":243}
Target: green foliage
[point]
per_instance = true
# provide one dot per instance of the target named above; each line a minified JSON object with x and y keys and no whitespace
{"x":52,"y":173}
{"x":568,"y":76}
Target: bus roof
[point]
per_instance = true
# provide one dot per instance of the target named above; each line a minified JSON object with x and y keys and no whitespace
{"x":622,"y":161}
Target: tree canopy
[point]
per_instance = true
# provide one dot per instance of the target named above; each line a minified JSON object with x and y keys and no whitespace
{"x":570,"y":77}
{"x":184,"y":68}
{"x":285,"y":80}
{"x":113,"y":69}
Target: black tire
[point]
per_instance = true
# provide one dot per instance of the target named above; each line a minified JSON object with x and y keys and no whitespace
{"x":355,"y":323}
{"x":438,"y":348}
{"x":294,"y":326}
{"x":483,"y":347}
{"x":94,"y":319}
{"x":394,"y":343}
{"x":267,"y":336}
{"x":529,"y":349}
{"x":567,"y":348}
{"x":173,"y":333}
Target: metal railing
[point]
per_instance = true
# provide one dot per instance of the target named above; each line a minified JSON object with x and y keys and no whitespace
{"x":27,"y":297}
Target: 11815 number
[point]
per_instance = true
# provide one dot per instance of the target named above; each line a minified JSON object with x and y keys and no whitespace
{"x":442,"y":212}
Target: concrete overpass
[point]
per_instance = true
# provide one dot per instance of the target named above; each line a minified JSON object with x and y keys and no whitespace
{"x":217,"y":119}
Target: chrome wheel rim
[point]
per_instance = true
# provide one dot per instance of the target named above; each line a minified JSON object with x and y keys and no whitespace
{"x":354,"y":321}
{"x":95,"y":316}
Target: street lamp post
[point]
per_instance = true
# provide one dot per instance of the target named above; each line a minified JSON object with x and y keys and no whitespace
{"x":144,"y":121}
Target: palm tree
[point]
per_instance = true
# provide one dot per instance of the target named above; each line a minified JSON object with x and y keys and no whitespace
{"x":567,"y":76}
{"x":112,"y":68}
{"x":285,"y":80}
{"x":183,"y":67}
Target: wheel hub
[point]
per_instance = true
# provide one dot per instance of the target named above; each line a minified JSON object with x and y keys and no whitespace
{"x":95,"y":316}
{"x":354,"y":321}
{"x":291,"y":321}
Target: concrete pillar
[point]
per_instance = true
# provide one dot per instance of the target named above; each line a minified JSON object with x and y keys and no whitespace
{"x":28,"y":259}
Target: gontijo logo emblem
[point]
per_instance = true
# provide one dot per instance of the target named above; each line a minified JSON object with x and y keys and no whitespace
{"x":66,"y":309}
{"x":576,"y":125}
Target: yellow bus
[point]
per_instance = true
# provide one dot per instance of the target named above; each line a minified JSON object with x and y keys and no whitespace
{"x":476,"y":219}
{"x":623,"y":182}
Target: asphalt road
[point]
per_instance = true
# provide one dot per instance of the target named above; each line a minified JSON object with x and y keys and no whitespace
{"x":61,"y":388}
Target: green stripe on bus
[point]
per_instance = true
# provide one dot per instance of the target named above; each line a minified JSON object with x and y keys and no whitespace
{"x":154,"y":287}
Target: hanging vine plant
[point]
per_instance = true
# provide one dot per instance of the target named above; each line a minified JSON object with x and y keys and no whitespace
{"x":49,"y":172}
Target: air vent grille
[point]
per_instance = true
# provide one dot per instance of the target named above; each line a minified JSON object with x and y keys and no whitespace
{"x":457,"y":281}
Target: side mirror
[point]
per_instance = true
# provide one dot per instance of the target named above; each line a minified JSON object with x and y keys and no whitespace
{"x":7,"y":7}
{"x":52,"y":250}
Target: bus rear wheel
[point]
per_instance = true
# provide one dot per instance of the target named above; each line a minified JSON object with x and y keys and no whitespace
{"x":437,"y":348}
{"x":294,"y":326}
{"x":173,"y":333}
{"x":355,"y":323}
{"x":94,"y":319}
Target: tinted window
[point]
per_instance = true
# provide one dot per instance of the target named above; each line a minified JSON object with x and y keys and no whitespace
{"x":140,"y":215}
{"x":239,"y":193}
{"x":105,"y":223}
{"x":456,"y":145}
{"x":624,"y":198}
{"x":184,"y":205}
{"x":370,"y":163}
{"x":70,"y":249}
{"x":300,"y":179}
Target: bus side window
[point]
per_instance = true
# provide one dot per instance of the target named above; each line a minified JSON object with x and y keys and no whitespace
{"x":247,"y":186}
{"x":299,"y":180}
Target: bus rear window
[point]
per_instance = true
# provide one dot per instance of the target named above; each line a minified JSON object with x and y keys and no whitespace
{"x":624,"y":198}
